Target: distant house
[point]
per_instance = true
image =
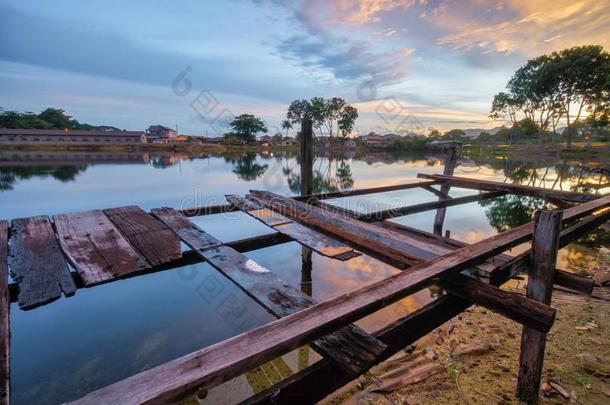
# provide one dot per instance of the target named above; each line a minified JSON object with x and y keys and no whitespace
{"x":266,"y":140}
{"x":350,"y":143}
{"x":375,"y":140}
{"x":217,"y":140}
{"x":181,"y":138}
{"x":289,"y":141}
{"x":55,"y":136}
{"x":160,"y":134}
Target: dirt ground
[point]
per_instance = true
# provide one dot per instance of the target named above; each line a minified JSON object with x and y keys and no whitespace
{"x":474,"y":358}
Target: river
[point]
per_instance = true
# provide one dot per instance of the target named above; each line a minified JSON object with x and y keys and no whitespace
{"x":74,"y":345}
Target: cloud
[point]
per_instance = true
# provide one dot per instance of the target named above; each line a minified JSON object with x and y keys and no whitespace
{"x":527,"y":27}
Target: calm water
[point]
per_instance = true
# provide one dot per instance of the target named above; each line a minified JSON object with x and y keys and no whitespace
{"x":102,"y":334}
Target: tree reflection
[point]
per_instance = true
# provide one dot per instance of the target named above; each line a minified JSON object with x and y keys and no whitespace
{"x":246,"y":167}
{"x":331,"y":175}
{"x":10,"y":175}
{"x":510,"y":211}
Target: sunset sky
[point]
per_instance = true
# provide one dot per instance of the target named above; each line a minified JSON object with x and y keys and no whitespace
{"x":406,"y":65}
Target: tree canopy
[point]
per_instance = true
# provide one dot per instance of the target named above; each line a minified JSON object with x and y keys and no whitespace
{"x":246,"y":126}
{"x":326,"y":114}
{"x":555,"y":87}
{"x":50,"y":118}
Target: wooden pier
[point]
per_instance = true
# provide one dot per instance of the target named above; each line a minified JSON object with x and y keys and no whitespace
{"x":102,"y":246}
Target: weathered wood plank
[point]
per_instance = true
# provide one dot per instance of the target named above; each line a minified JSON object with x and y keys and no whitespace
{"x":519,"y":189}
{"x":95,"y":248}
{"x":562,"y":277}
{"x":547,"y":228}
{"x":350,"y":347}
{"x":199,"y":240}
{"x":213,"y":365}
{"x":412,"y":209}
{"x":305,"y":236}
{"x":155,"y":241}
{"x":36,"y":262}
{"x":362,"y":191}
{"x":5,"y":334}
{"x":321,"y":379}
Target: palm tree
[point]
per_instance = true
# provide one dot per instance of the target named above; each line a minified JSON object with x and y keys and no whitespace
{"x":286,"y":125}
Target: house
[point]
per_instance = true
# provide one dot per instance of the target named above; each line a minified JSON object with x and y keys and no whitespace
{"x":287,"y":141}
{"x":350,"y":143}
{"x":216,"y":140}
{"x":55,"y":136}
{"x":374,"y":140}
{"x":160,"y":134}
{"x":181,"y":138}
{"x":266,"y":140}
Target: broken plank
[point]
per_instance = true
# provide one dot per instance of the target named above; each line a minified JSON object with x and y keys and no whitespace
{"x":519,"y":189}
{"x":305,"y":236}
{"x":95,"y":248}
{"x":218,"y":363}
{"x":155,"y":241}
{"x":37,"y":263}
{"x":5,"y":334}
{"x":350,"y":347}
{"x":199,"y":240}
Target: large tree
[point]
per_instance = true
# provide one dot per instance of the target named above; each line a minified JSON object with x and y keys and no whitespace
{"x":246,"y":126}
{"x":326,"y":114}
{"x":550,"y":88}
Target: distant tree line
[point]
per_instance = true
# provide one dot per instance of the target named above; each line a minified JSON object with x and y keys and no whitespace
{"x":561,"y":86}
{"x":50,"y":118}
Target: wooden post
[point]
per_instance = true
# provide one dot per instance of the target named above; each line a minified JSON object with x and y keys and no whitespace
{"x":547,"y":228}
{"x":306,"y":157}
{"x":450,"y":163}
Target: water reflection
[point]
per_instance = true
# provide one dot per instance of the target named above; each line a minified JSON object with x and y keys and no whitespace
{"x":65,"y":349}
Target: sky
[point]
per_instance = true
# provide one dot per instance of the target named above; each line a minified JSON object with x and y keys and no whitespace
{"x":407,"y":65}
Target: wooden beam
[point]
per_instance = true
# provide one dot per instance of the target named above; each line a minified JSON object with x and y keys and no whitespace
{"x":218,"y":363}
{"x":562,"y":277}
{"x":155,"y":241}
{"x":321,"y":379}
{"x":363,"y":191}
{"x":305,"y":236}
{"x":412,"y":209}
{"x":518,"y":189}
{"x":306,"y":156}
{"x":37,"y":263}
{"x":350,"y":347}
{"x":95,"y":248}
{"x":5,"y":332}
{"x":545,"y":244}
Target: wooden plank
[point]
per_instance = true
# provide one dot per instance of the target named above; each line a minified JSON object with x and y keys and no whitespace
{"x":528,"y":312}
{"x":350,"y":347}
{"x":562,"y":277}
{"x":362,"y":191}
{"x":199,"y":240}
{"x":155,"y":241}
{"x":412,"y":209}
{"x":95,"y":248}
{"x":519,"y":189}
{"x":305,"y":236}
{"x":545,"y":244}
{"x":218,"y":363}
{"x":36,"y":262}
{"x":5,"y":334}
{"x":321,"y":379}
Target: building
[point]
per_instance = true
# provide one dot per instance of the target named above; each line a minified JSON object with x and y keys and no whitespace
{"x":55,"y":136}
{"x":160,"y":134}
{"x":181,"y":138}
{"x":266,"y":140}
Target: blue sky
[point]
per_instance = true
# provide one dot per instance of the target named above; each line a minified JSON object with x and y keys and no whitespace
{"x":406,"y":64}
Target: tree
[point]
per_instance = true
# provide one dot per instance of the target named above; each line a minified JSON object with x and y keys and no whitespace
{"x":246,"y":126}
{"x":325,"y":114}
{"x":286,"y":125}
{"x":548,"y":88}
{"x":583,"y":73}
{"x":56,"y":117}
{"x":455,"y":134}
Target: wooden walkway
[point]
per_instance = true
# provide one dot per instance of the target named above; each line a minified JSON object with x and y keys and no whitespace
{"x":53,"y":257}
